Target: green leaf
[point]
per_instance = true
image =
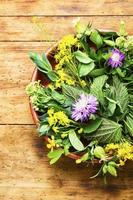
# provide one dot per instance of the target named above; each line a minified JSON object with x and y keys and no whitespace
{"x":43,"y":129}
{"x":82,"y":57}
{"x":85,"y":69}
{"x":111,"y":106}
{"x":92,"y":126}
{"x":96,"y":88}
{"x":112,"y":170}
{"x":55,"y":155}
{"x":71,"y":92}
{"x":52,"y":76}
{"x":110,"y":43}
{"x":120,"y":94}
{"x":99,"y":152}
{"x":108,"y":132}
{"x":58,"y":97}
{"x":129,"y":124}
{"x":75,"y":142}
{"x":96,"y":38}
{"x":97,"y":72}
{"x":122,"y":31}
{"x":42,"y":63}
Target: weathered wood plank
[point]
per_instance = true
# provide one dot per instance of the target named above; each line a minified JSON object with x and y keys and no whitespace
{"x":25,"y":172}
{"x":53,"y":28}
{"x":15,"y":72}
{"x":70,"y":7}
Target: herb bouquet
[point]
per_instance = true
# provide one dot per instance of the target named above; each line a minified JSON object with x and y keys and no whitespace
{"x":85,"y":110}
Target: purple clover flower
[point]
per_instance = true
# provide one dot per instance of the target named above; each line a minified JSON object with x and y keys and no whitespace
{"x":116,"y":58}
{"x":84,"y":107}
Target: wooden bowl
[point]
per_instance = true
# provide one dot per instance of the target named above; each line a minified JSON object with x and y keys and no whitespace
{"x":37,"y":75}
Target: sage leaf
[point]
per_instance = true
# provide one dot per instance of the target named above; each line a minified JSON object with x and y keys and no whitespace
{"x":82,"y":57}
{"x":96,"y":38}
{"x":75,"y":142}
{"x":85,"y":69}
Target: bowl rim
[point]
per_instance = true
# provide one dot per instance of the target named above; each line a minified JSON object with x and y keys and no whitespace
{"x":73,"y":156}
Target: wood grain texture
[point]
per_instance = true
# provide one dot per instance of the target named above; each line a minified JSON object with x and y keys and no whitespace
{"x":25,"y":172}
{"x":53,"y":28}
{"x":16,"y":70}
{"x":69,"y":7}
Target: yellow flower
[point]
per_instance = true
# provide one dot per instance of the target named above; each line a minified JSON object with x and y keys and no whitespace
{"x":63,"y":78}
{"x":64,"y":54}
{"x":51,"y":144}
{"x":59,"y":118}
{"x":124,"y":151}
{"x":80,"y":130}
{"x":55,"y":129}
{"x":83,"y":83}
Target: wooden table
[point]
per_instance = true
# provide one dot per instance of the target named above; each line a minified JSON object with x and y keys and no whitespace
{"x":25,"y":173}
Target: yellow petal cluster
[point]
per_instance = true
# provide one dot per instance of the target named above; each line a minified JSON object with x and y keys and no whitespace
{"x":64,"y":54}
{"x":124,"y":151}
{"x":57,"y":118}
{"x":63,"y":78}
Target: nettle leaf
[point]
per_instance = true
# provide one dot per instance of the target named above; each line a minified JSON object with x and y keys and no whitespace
{"x":96,"y":88}
{"x":75,"y":142}
{"x":55,"y":155}
{"x":92,"y":126}
{"x":108,"y":132}
{"x":82,"y":57}
{"x":120,"y":94}
{"x":129,"y":124}
{"x":85,"y":69}
{"x":96,"y":38}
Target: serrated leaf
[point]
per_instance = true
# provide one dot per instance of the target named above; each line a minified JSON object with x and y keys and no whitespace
{"x":108,"y":132}
{"x":96,"y":38}
{"x":120,"y":94}
{"x":82,"y":57}
{"x":92,"y":126}
{"x":75,"y":142}
{"x":85,"y":69}
{"x":96,"y":88}
{"x":129,"y":124}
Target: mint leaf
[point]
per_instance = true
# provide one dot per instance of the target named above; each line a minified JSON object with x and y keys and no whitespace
{"x":75,"y":142}
{"x":99,"y":152}
{"x":96,"y":88}
{"x":108,"y":132}
{"x":82,"y":57}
